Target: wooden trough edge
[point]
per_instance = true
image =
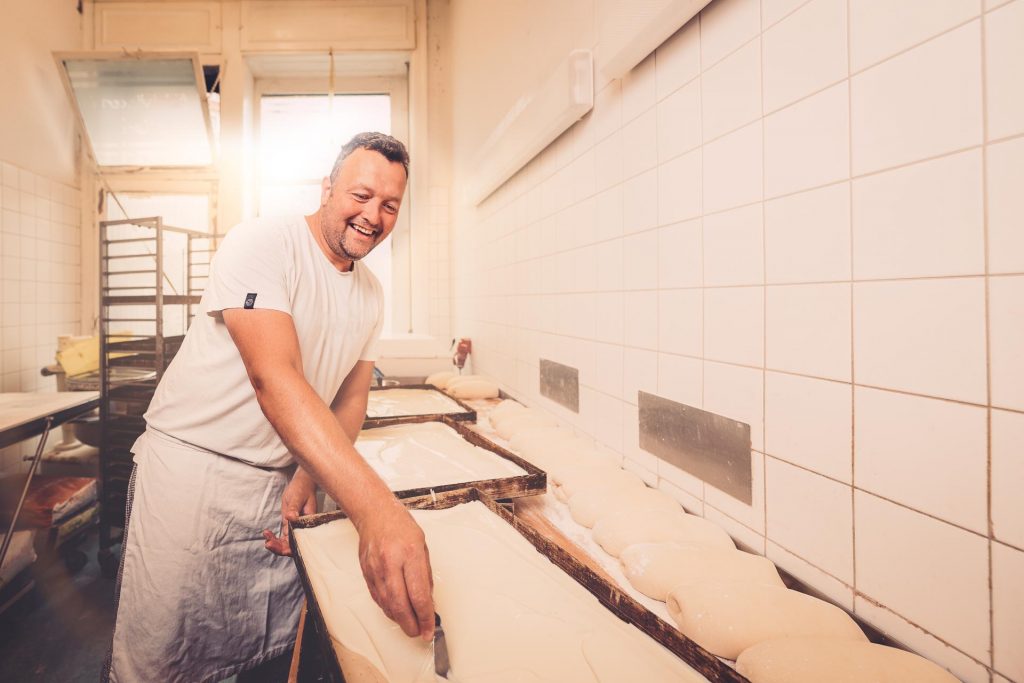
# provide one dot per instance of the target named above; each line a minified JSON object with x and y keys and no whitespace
{"x":620,"y":603}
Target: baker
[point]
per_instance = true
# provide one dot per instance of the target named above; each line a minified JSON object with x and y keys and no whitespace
{"x":263,"y":402}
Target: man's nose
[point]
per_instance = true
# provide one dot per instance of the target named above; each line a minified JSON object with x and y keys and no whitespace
{"x":371,"y":212}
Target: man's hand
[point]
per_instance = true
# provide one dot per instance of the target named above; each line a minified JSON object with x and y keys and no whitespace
{"x":396,"y":566}
{"x":299,"y":498}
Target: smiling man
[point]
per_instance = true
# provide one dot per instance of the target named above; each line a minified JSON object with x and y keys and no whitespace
{"x":262,"y":403}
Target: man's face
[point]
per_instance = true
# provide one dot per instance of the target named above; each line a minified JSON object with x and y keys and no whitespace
{"x":359,"y":209}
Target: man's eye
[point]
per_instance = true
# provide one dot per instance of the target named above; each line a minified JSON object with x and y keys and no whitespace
{"x":360,"y":196}
{"x":391,"y":208}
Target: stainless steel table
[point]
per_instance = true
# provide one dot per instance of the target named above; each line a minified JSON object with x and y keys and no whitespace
{"x":29,"y":414}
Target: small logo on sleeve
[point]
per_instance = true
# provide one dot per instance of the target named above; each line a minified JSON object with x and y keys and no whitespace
{"x":250,"y":300}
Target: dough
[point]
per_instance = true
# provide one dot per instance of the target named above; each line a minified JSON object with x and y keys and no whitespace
{"x":395,"y":402}
{"x":505,"y":407}
{"x":508,"y":426}
{"x":590,"y":504}
{"x":532,"y":436}
{"x":473,"y":389}
{"x":616,"y":533}
{"x":728,"y":617}
{"x":441,"y":379}
{"x":654,"y":568}
{"x":565,"y":455}
{"x":510,"y":615}
{"x":812,"y":660}
{"x":597,"y":476}
{"x":428,"y":454}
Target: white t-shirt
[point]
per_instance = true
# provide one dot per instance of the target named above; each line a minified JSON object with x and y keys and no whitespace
{"x":205,"y":397}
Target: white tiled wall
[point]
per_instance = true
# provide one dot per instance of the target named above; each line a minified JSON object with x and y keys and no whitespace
{"x":40,"y":278}
{"x":806,"y":216}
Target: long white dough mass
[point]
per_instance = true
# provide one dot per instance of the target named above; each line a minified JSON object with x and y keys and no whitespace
{"x":396,"y":402}
{"x":509,"y":614}
{"x":428,"y":454}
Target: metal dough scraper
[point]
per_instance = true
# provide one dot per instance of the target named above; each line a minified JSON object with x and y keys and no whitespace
{"x":440,"y":646}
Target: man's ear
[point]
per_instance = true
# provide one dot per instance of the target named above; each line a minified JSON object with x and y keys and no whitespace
{"x":325,"y":191}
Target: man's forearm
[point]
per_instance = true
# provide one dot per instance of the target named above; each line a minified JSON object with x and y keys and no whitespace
{"x":321,"y":444}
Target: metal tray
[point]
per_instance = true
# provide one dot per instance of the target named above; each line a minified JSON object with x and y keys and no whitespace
{"x":467,"y":414}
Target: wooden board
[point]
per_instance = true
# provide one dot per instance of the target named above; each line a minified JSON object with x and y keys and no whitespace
{"x":468,"y":414}
{"x":595,"y":581}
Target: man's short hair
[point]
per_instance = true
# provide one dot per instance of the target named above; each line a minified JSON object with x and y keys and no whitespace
{"x":393,"y":150}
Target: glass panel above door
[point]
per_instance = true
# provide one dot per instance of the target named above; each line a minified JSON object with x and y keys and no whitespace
{"x":141,"y":109}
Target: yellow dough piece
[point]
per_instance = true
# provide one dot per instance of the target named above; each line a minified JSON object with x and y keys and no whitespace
{"x":593,"y":503}
{"x":655,"y":568}
{"x":441,"y":379}
{"x":727,"y":617}
{"x":812,"y":660}
{"x":615,"y":534}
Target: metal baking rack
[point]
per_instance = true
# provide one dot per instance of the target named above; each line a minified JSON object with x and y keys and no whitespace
{"x":152,"y":277}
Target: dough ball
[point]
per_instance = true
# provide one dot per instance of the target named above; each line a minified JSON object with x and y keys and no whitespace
{"x":505,"y":407}
{"x":727,"y":617}
{"x":441,"y":379}
{"x":616,"y":533}
{"x":597,"y":477}
{"x":811,"y":660}
{"x":531,"y":436}
{"x":654,"y":568}
{"x":473,"y":389}
{"x":507,"y":427}
{"x":591,"y":504}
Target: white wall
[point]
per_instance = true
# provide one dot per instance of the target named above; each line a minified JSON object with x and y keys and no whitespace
{"x":37,"y":126}
{"x":805,"y":216}
{"x":39,"y":200}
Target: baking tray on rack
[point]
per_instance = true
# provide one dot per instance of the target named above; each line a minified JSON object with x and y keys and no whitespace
{"x":467,"y":414}
{"x":608,"y":593}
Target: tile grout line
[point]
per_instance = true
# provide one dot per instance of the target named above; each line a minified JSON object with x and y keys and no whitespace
{"x":764,"y":289}
{"x":700,"y":234}
{"x":988,"y":341}
{"x":853,"y":376}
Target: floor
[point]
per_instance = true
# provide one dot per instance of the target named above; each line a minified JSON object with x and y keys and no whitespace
{"x":61,"y":630}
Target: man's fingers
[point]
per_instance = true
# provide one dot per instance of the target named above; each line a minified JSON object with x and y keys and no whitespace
{"x":419,"y":584}
{"x":401,"y":610}
{"x":278,"y":546}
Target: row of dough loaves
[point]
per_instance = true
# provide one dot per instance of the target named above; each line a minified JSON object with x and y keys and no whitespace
{"x":464,"y":386}
{"x":731,"y":602}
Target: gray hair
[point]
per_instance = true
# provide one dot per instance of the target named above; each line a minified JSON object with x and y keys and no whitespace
{"x":392,"y":150}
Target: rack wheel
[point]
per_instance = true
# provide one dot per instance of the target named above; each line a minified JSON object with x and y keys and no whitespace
{"x":108,"y":564}
{"x":74,"y":560}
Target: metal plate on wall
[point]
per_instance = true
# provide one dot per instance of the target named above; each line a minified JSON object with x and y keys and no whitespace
{"x":560,"y":383}
{"x":712,"y":447}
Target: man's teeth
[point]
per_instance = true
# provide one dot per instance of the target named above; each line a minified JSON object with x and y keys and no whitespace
{"x":361,"y":230}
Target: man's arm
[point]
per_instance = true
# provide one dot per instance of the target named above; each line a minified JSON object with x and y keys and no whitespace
{"x":349,"y":405}
{"x":392,"y":548}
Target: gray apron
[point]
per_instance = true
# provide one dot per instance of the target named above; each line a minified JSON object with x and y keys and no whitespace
{"x":200,"y":598}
